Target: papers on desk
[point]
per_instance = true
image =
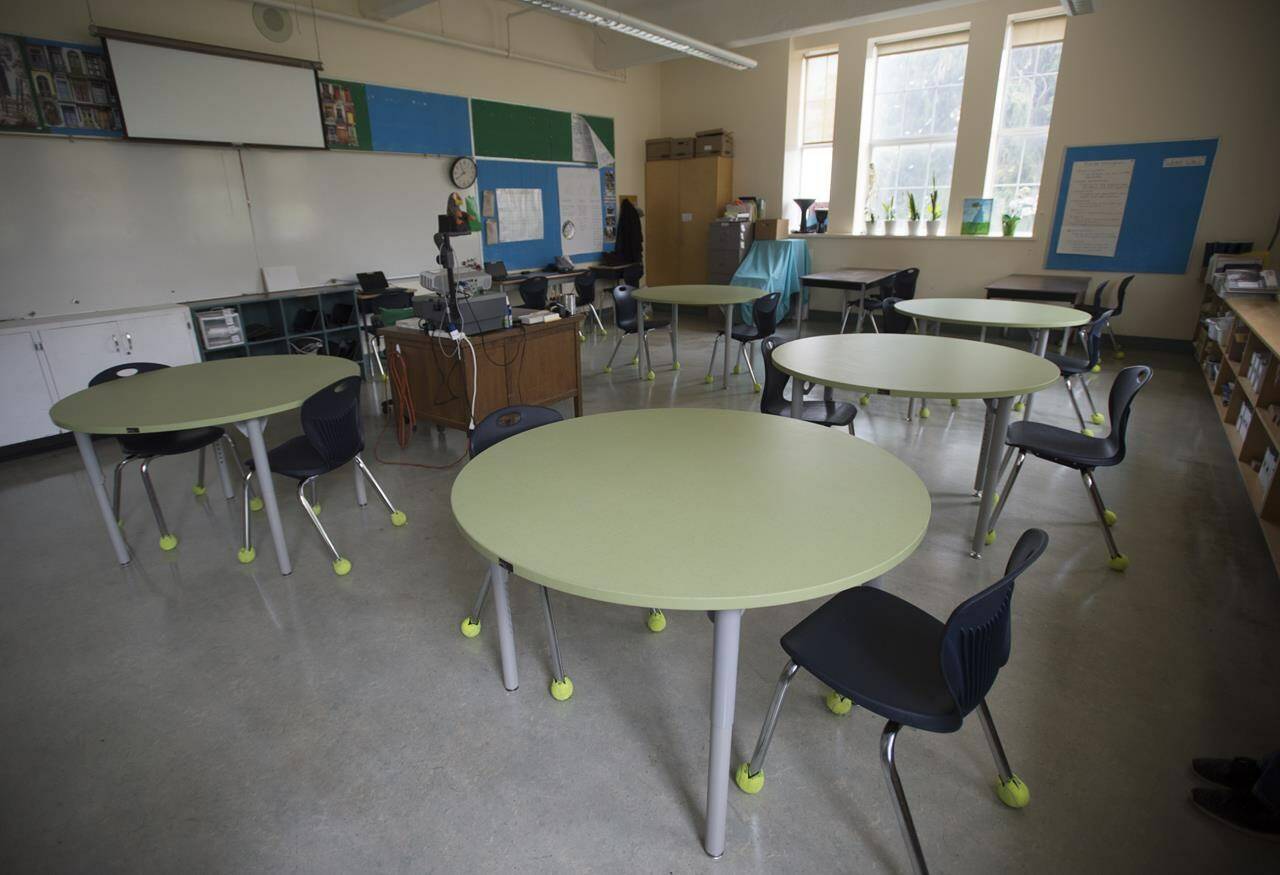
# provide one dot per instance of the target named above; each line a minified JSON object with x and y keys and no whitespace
{"x":1096,"y":198}
{"x":520,"y":214}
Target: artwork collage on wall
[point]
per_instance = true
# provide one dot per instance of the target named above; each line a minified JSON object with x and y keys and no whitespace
{"x":57,"y":87}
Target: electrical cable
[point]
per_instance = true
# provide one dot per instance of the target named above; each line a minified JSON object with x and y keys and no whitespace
{"x":406,"y":416}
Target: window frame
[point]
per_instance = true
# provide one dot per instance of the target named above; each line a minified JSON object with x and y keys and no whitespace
{"x":804,"y":145}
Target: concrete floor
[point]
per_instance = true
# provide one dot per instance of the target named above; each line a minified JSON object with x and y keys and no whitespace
{"x":186,"y":713}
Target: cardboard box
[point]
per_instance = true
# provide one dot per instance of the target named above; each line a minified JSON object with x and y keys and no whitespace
{"x":772,"y":229}
{"x":656,"y":150}
{"x":682,"y":147}
{"x":715,"y":142}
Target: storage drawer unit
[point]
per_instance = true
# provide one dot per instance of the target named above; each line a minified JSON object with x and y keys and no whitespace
{"x":727,"y":244}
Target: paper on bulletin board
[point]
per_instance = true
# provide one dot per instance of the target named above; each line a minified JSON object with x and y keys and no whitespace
{"x":520,"y":211}
{"x":1094,"y":211}
{"x":579,"y":189}
{"x":587,"y":147}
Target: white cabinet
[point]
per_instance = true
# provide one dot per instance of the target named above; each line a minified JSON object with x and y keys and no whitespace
{"x":24,"y":390}
{"x":69,"y":352}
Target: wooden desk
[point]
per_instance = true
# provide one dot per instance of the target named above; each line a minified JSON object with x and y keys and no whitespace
{"x":527,"y":364}
{"x":849,"y":279}
{"x":1040,"y":287}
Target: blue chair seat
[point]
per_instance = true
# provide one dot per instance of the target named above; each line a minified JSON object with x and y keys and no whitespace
{"x":1061,"y":445}
{"x":881,"y":652}
{"x":296,"y":458}
{"x":829,"y":413}
{"x":748,"y":334}
{"x":631,"y":326}
{"x":169,"y":443}
{"x":1069,"y":365}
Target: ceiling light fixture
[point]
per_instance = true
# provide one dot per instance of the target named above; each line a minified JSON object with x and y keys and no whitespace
{"x":602,"y":16}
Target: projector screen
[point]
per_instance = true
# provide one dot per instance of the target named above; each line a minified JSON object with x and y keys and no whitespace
{"x":172,"y":94}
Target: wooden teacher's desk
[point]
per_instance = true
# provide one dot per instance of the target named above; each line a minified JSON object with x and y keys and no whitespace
{"x":527,"y":364}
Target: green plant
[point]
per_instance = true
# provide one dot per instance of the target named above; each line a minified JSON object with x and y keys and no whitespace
{"x":889,"y":212}
{"x":871,"y":215}
{"x":913,"y":212}
{"x":935,"y":211}
{"x":1009,"y":223}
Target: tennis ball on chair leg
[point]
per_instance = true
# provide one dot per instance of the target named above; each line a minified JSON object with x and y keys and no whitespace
{"x":255,"y":503}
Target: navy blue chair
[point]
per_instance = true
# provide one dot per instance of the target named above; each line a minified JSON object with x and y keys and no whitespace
{"x":1097,"y":308}
{"x":332,"y":435}
{"x":627,"y":320}
{"x":496,"y":427}
{"x":828,"y":411}
{"x":904,"y":289}
{"x":533,"y":292}
{"x":1085,"y":454}
{"x":1074,"y":369}
{"x":883,"y":653}
{"x":148,"y":447}
{"x":764,"y":315}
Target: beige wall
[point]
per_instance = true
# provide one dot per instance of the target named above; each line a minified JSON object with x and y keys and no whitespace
{"x":1135,"y":70}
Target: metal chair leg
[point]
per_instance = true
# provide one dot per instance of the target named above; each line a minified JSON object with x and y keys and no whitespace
{"x":755,"y":765}
{"x":749,"y":352}
{"x":617,"y":346}
{"x":1118,"y":560}
{"x":246,"y":554}
{"x":874,"y":326}
{"x":993,"y":741}
{"x":119,"y":484}
{"x":845,"y":320}
{"x":168,"y":540}
{"x":599,"y":322}
{"x":1071,"y":393}
{"x":471,"y":622}
{"x":711,"y":362}
{"x":199,"y":488}
{"x":1115,"y":343}
{"x":888,"y":742}
{"x":1089,"y":396}
{"x":398,"y":517}
{"x":561,"y":686}
{"x":1005,"y":493}
{"x":338,"y":561}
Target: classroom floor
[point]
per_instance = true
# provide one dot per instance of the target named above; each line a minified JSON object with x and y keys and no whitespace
{"x":188,"y":713}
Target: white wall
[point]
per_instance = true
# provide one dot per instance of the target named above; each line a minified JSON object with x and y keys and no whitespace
{"x":364,"y":54}
{"x":1135,"y":70}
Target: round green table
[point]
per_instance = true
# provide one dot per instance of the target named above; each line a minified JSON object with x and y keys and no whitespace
{"x":243,"y":391}
{"x":921,"y":366}
{"x":713,"y":539}
{"x":694,"y":296}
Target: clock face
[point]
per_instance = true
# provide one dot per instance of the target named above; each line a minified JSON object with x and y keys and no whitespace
{"x":463,"y":172}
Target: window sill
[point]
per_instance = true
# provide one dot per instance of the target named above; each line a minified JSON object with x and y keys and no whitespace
{"x":917,"y":238}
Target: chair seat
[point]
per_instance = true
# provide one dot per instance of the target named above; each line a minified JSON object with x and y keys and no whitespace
{"x":295,"y":458}
{"x":830,"y":413}
{"x":881,"y":652}
{"x":1061,"y":445}
{"x":1069,"y":366}
{"x":629,"y":326}
{"x":170,"y":443}
{"x":747,"y":334}
{"x":1093,"y":310}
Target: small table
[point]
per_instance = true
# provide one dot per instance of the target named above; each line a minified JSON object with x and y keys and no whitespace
{"x":914,"y":366}
{"x":854,"y":509}
{"x":243,"y":391}
{"x":849,"y":279}
{"x":1040,"y":287}
{"x":697,"y":296}
{"x":1039,"y":318}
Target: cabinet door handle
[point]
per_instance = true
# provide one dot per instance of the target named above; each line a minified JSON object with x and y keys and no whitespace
{"x":115,"y":338}
{"x":129,"y":338}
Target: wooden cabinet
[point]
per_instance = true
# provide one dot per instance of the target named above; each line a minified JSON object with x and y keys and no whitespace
{"x":682,"y":197}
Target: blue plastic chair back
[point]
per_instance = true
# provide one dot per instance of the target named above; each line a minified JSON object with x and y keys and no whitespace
{"x":1124,"y":390}
{"x":1099,"y":292}
{"x":764,"y":313}
{"x":584,"y":288}
{"x":1093,"y":337}
{"x":977,"y":638}
{"x":332,"y":423}
{"x":128,"y":369}
{"x":772,"y":399}
{"x":624,"y":308}
{"x":1124,"y":287}
{"x":507,"y":422}
{"x":533,"y":292}
{"x":904,"y":283}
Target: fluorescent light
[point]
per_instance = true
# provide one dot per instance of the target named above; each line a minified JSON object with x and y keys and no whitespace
{"x":602,"y":16}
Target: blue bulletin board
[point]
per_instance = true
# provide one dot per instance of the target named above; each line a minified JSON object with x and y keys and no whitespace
{"x":402,"y":120}
{"x":1166,"y":192}
{"x":493,"y":175}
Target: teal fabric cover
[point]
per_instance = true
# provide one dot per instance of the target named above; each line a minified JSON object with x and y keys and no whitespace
{"x":773,"y":266}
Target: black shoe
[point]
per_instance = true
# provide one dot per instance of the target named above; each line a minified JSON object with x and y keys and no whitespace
{"x":1240,"y":773}
{"x":1242,"y":811}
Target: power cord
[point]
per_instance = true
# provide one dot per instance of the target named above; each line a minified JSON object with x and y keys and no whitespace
{"x":405,"y":415}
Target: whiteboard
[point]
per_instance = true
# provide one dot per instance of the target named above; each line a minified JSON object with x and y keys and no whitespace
{"x":333,"y":214}
{"x":173,"y":94}
{"x":96,"y":224}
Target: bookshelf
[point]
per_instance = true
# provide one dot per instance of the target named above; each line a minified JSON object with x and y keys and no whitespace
{"x":300,"y":322}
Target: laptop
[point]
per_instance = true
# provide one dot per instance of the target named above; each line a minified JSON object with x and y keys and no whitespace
{"x":376,"y":281}
{"x":496,"y":269}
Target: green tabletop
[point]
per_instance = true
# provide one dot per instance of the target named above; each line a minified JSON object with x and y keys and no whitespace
{"x":696,"y":296}
{"x":676,"y":518}
{"x":913,"y":365}
{"x":206,"y":393}
{"x":993,"y":313}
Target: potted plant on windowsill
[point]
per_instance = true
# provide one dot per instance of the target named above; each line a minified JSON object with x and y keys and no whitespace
{"x":913,"y":215}
{"x":892,"y":224}
{"x":933,"y":226}
{"x":871,"y":198}
{"x":871,"y":222}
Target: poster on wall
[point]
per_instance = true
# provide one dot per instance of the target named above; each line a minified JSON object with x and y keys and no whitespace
{"x":345,"y":110}
{"x":610,"y":177}
{"x":74,"y":89}
{"x":17,"y":96}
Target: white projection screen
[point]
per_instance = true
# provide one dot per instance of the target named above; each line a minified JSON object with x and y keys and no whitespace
{"x":172,"y":94}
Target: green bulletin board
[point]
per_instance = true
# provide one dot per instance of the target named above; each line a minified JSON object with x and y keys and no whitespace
{"x":346,"y":115}
{"x":509,"y":130}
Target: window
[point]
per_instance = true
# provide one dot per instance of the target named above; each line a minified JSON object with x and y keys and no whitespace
{"x":914,"y":117}
{"x":817,"y":126}
{"x":1028,"y":81}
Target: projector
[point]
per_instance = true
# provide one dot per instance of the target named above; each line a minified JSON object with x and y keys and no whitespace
{"x":480,"y":313}
{"x":470,"y":282}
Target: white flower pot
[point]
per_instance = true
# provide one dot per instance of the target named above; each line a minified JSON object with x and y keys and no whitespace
{"x":899,"y":227}
{"x":913,"y":227}
{"x":871,"y":227}
{"x":882,"y":228}
{"x":933,"y":227}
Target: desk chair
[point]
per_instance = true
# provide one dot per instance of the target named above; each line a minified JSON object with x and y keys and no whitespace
{"x":828,"y":411}
{"x":495,"y":428}
{"x":1072,"y":368}
{"x":1084,"y":454}
{"x":148,"y":447}
{"x":904,"y":289}
{"x":626,"y":319}
{"x":879,"y":651}
{"x":533,"y":292}
{"x":584,"y":289}
{"x":332,"y":435}
{"x":764,"y":313}
{"x":1096,"y":309}
{"x":371,"y":324}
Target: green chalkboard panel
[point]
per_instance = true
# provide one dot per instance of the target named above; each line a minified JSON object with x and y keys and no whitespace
{"x":509,"y":130}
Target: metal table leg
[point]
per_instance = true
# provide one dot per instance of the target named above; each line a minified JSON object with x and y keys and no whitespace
{"x":219,"y":454}
{"x":252,"y":429}
{"x":724,"y":687}
{"x":642,"y":352}
{"x":797,"y":398}
{"x":506,"y":634}
{"x":728,"y":333}
{"x":800,"y":313}
{"x":988,"y":420}
{"x":675,"y":337}
{"x":1042,"y":345}
{"x":85,"y":444}
{"x":1004,"y":407}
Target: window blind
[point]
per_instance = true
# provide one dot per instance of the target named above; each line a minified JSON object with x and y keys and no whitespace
{"x":920,"y":43}
{"x":1037,"y":30}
